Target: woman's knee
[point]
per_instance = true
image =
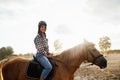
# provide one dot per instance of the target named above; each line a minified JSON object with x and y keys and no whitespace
{"x":49,"y":67}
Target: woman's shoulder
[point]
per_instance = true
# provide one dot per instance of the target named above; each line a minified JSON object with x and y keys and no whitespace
{"x":38,"y":36}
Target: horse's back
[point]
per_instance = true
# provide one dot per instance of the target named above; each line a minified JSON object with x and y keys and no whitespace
{"x":14,"y":68}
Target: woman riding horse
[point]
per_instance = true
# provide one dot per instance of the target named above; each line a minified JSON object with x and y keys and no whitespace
{"x":68,"y":62}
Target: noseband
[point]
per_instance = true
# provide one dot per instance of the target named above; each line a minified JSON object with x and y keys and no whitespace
{"x":94,"y":57}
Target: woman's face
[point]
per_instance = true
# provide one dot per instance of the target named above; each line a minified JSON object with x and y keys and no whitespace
{"x":43,"y":28}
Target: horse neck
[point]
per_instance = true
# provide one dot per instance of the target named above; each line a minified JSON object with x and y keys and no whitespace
{"x":72,"y":58}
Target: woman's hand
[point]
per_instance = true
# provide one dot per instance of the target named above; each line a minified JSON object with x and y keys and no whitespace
{"x":50,"y":55}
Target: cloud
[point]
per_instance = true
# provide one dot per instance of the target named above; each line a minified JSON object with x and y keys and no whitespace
{"x":62,"y":30}
{"x":104,"y":10}
{"x":10,"y":9}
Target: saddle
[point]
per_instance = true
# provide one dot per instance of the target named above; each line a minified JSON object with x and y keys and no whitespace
{"x":34,"y":69}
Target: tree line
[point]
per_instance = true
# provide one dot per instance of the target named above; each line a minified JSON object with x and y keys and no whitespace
{"x":6,"y":51}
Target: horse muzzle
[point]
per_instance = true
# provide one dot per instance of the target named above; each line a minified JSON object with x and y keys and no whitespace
{"x":103,"y":64}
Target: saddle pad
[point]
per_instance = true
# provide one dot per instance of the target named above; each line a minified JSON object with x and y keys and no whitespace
{"x":34,"y":70}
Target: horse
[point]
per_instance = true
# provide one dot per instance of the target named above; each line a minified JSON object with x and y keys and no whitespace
{"x":68,"y":62}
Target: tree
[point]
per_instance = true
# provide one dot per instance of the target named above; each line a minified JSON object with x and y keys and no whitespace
{"x":104,"y":44}
{"x":5,"y":51}
{"x":57,"y":45}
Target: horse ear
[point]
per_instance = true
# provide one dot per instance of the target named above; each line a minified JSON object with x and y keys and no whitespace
{"x":85,"y":41}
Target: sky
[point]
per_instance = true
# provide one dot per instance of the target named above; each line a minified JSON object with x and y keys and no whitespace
{"x":69,"y":21}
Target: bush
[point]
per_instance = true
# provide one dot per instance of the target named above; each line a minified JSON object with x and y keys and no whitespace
{"x":5,"y":51}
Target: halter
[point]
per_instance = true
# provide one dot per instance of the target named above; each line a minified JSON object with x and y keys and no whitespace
{"x":94,"y":57}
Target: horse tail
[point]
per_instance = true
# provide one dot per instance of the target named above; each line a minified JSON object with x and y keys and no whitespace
{"x":2,"y":62}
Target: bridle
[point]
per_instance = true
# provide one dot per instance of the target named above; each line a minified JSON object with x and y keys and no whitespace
{"x":94,"y":57}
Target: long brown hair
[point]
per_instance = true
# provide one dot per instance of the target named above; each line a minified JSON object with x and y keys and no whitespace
{"x":39,"y":26}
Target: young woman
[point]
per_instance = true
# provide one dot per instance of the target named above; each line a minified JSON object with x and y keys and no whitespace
{"x":41,"y":43}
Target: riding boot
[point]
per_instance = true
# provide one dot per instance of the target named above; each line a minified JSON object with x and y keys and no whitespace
{"x":41,"y":78}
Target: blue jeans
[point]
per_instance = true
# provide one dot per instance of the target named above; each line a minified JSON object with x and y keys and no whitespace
{"x":45,"y":63}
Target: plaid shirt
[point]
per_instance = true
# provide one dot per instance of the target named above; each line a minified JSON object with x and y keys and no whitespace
{"x":41,"y":44}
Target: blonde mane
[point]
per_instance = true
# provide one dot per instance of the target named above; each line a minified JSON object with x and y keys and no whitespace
{"x":70,"y":54}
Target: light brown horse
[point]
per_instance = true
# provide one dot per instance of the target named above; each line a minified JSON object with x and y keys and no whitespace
{"x":68,"y":62}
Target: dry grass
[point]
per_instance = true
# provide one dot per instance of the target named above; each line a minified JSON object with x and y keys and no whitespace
{"x":112,"y":72}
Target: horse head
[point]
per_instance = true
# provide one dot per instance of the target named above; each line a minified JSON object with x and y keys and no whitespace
{"x":93,"y":55}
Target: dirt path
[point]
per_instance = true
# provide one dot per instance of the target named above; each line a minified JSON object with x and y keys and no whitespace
{"x":112,"y":72}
